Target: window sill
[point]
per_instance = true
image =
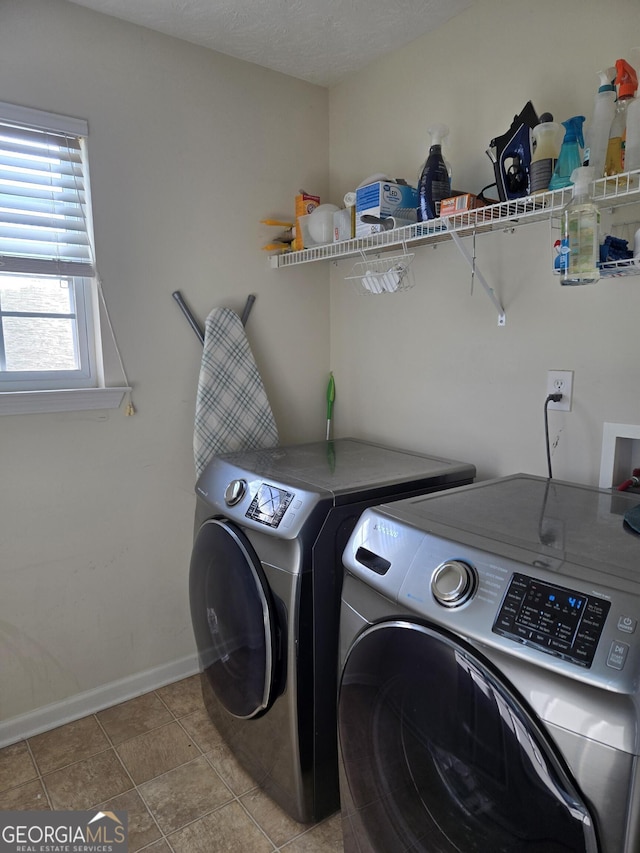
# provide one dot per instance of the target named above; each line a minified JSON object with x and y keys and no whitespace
{"x":72,"y":400}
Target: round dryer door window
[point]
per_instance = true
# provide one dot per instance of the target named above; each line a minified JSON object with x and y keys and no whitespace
{"x":440,"y":755}
{"x":233,"y":619}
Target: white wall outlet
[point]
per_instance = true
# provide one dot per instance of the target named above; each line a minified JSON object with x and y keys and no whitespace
{"x":560,"y":382}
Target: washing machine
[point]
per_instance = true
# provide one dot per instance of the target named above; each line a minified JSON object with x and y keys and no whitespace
{"x":490,"y":669}
{"x":265,"y":581}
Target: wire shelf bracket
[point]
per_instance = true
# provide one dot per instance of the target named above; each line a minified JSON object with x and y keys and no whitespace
{"x":457,"y":239}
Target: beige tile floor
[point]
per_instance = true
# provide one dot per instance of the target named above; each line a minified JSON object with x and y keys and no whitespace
{"x":159,"y":758}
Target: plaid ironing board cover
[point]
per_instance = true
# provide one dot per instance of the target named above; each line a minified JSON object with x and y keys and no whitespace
{"x":232,"y":409}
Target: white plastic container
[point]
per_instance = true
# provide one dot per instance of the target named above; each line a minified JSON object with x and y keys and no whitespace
{"x":632,"y":144}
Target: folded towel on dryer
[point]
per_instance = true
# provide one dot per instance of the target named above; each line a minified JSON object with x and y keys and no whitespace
{"x":232,"y":409}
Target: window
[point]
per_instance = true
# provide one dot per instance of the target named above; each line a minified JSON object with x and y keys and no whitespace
{"x":48,"y":287}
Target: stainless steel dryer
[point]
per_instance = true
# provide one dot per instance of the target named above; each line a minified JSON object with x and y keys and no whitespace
{"x":490,"y":669}
{"x":265,"y":580}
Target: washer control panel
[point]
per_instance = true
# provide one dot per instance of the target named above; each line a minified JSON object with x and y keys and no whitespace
{"x":553,"y":619}
{"x":453,"y":583}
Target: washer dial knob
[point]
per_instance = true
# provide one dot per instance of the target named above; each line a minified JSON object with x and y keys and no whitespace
{"x":453,"y":583}
{"x":234,"y":492}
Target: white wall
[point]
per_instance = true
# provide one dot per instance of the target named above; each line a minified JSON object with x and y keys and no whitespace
{"x":188,"y":150}
{"x":430,"y":369}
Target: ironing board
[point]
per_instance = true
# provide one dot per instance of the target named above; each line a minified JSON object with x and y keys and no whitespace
{"x":232,"y":409}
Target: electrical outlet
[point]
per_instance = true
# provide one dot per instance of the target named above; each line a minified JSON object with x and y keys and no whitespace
{"x":560,"y":382}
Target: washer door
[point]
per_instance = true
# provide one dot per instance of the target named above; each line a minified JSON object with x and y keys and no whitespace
{"x":233,"y":619}
{"x":439,"y":754}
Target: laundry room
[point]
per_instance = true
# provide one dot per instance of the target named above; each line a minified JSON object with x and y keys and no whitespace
{"x":189,"y":150}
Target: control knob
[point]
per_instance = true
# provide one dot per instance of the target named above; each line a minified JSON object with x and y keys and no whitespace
{"x":453,"y":583}
{"x":234,"y":492}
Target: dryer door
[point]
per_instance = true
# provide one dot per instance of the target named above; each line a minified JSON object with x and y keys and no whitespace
{"x":439,"y":754}
{"x":233,"y":619}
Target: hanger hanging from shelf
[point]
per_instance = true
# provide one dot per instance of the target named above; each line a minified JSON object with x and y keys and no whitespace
{"x":194,"y":323}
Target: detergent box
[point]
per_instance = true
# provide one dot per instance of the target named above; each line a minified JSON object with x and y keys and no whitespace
{"x":305,"y":205}
{"x":383,"y":198}
{"x":460,"y":204}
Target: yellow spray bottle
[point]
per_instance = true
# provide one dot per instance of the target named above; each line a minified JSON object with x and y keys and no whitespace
{"x":627,"y":82}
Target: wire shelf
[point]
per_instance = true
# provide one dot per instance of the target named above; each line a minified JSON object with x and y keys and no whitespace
{"x":614,"y":191}
{"x":614,"y":269}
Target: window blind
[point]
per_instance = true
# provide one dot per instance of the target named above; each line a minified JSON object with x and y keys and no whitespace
{"x":44,"y":223}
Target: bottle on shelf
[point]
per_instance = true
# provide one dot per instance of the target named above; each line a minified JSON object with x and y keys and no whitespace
{"x":547,"y":140}
{"x":435,"y":180}
{"x":627,"y":82}
{"x":579,"y":250}
{"x":632,"y":141}
{"x":597,"y":133}
{"x":570,"y":157}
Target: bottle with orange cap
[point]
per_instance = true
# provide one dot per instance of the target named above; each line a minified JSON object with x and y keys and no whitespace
{"x":627,"y":83}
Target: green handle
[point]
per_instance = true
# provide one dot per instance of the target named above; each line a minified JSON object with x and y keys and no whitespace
{"x":331,"y":395}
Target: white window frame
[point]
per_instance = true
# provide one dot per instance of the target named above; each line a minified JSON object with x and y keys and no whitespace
{"x":85,"y":376}
{"x":66,"y":390}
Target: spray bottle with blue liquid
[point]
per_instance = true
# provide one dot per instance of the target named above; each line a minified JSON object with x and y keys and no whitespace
{"x":570,"y":154}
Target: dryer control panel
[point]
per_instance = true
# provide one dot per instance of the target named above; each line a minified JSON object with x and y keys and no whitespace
{"x":269,"y":505}
{"x":273,"y":507}
{"x":554,"y":619}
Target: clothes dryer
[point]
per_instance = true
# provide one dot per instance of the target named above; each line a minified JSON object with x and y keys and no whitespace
{"x":490,"y":673}
{"x":265,"y":581}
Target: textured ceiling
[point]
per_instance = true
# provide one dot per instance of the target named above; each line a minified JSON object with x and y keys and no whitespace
{"x":320,"y":41}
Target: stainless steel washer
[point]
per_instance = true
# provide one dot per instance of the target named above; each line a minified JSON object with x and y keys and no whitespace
{"x":265,"y":583}
{"x":490,"y":669}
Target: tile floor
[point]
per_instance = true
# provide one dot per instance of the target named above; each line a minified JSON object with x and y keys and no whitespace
{"x":159,"y":758}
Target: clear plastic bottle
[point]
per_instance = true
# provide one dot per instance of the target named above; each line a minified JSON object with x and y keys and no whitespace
{"x":547,"y":139}
{"x":597,"y":133}
{"x":580,"y":219}
{"x":627,"y":82}
{"x":435,"y":180}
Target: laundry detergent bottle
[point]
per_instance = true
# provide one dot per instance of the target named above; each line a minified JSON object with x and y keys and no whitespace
{"x":547,"y":140}
{"x":570,"y":157}
{"x":435,"y":180}
{"x":627,"y":82}
{"x":580,"y":220}
{"x":632,"y":139}
{"x":597,"y":133}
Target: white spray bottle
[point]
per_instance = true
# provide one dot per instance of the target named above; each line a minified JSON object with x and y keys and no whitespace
{"x":597,"y":135}
{"x":632,"y":142}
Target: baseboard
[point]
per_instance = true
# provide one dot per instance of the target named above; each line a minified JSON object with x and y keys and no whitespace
{"x":82,"y":704}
